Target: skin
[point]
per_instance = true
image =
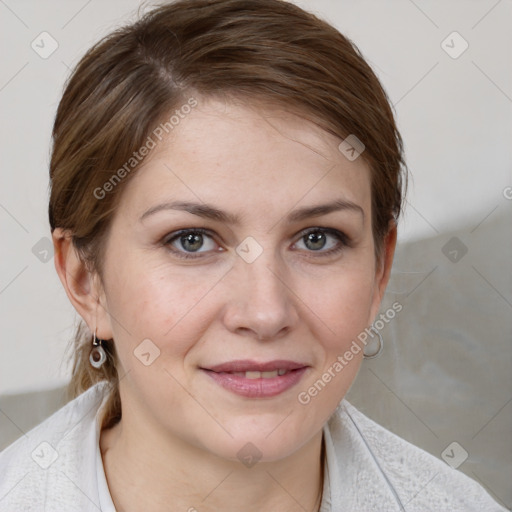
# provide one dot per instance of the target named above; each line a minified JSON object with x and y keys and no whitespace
{"x":180,"y":432}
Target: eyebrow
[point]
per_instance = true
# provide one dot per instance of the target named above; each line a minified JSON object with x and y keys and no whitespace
{"x":210,"y":212}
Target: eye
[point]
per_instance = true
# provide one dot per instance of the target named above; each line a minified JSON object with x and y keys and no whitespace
{"x":189,"y":241}
{"x":322,"y":240}
{"x":194,"y":242}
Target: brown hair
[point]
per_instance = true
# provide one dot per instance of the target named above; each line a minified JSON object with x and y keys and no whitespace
{"x":255,"y":50}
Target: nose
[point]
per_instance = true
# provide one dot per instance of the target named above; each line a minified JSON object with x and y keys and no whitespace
{"x":261,"y":300}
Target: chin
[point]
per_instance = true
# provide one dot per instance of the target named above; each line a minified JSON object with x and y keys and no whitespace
{"x":259,"y":441}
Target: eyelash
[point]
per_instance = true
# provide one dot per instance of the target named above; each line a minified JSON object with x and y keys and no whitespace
{"x":344,"y":241}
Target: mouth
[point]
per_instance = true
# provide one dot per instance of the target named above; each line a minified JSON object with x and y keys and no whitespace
{"x":255,"y":379}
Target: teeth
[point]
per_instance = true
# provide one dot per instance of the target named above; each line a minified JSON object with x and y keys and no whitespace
{"x":260,"y":375}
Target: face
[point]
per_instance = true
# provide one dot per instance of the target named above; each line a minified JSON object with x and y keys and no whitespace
{"x":239,"y":266}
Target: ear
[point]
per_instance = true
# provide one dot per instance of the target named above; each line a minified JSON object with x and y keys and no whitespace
{"x":83,"y":288}
{"x":383,"y":269}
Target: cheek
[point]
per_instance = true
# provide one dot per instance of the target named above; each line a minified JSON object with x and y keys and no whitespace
{"x":342,"y":304}
{"x":165,"y":308}
{"x":157,"y":302}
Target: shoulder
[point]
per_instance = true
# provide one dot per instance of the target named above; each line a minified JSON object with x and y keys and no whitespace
{"x":420,"y":481}
{"x":51,"y":456}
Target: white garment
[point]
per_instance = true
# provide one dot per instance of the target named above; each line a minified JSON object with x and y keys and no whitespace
{"x":367,"y":467}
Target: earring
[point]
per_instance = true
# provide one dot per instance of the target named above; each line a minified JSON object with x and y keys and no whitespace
{"x":98,"y":355}
{"x":377,"y":352}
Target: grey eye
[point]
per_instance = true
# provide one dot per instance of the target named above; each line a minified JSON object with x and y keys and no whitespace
{"x":319,"y":239}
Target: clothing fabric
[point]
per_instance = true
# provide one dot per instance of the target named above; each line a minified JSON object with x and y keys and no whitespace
{"x":57,"y":467}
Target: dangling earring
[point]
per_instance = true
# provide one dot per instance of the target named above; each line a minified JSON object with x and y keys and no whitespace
{"x":377,"y":352}
{"x":98,"y":355}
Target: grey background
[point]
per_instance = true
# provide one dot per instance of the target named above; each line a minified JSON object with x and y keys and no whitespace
{"x":445,"y":373}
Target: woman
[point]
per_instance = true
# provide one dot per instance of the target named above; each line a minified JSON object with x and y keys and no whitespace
{"x":226,"y":179}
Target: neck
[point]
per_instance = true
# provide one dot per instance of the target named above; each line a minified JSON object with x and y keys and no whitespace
{"x":146,"y":474}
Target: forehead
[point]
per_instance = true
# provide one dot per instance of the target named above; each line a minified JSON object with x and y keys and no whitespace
{"x":245,"y":156}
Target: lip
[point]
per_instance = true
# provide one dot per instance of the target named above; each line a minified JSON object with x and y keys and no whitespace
{"x":247,"y":365}
{"x":223,"y":375}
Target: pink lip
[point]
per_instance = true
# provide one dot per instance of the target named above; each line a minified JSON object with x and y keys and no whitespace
{"x":223,"y":374}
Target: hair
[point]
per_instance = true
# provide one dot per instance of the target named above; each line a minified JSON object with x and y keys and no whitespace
{"x":128,"y":83}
